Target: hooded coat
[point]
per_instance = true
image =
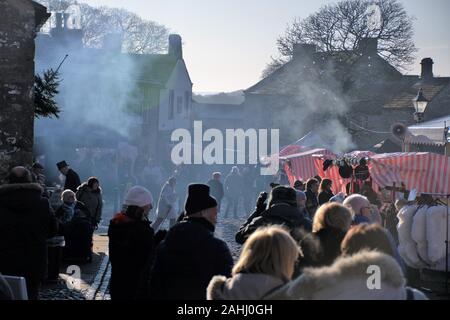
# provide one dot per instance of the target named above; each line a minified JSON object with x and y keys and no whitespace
{"x":348,"y":279}
{"x":243,"y":286}
{"x":27,"y":221}
{"x":187,"y":260}
{"x":92,"y":200}
{"x":131,"y":252}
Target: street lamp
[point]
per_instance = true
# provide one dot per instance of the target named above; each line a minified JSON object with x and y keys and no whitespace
{"x":420,"y":104}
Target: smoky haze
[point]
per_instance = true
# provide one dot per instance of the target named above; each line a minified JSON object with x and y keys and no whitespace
{"x":95,"y":94}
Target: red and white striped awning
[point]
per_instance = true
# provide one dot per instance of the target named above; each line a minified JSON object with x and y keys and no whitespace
{"x":426,"y":172}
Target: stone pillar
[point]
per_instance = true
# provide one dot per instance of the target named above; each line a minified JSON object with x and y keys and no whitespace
{"x":18,"y":26}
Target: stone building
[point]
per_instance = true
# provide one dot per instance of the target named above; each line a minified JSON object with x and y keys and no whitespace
{"x":20,"y":21}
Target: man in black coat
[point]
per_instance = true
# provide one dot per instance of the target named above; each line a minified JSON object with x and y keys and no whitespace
{"x":27,"y":221}
{"x":312,"y":201}
{"x":282,"y":211}
{"x":190,"y":255}
{"x":72,"y":179}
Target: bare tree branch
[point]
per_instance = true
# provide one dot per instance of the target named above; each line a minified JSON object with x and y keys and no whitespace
{"x":341,"y":26}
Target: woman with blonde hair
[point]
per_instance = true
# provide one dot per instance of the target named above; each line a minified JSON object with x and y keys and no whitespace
{"x":266,"y":263}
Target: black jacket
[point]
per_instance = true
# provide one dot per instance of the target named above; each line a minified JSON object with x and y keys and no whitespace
{"x":277,"y":214}
{"x":186,"y":261}
{"x":26,"y":222}
{"x":131,"y":252}
{"x":325,"y":196}
{"x":312,"y":203}
{"x":72,"y":181}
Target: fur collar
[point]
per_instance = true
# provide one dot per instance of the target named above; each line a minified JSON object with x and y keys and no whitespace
{"x":344,"y":268}
{"x":12,"y":187}
{"x":243,"y":286}
{"x":214,"y":290}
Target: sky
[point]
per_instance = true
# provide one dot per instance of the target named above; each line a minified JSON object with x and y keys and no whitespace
{"x":227,"y":43}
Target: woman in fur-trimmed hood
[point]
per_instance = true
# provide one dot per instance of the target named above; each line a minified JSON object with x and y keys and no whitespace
{"x":348,"y":279}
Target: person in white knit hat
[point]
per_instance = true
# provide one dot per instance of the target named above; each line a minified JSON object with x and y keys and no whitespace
{"x":131,"y":246}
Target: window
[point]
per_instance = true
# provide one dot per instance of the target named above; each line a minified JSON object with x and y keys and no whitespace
{"x":171,"y":104}
{"x":179,"y":104}
{"x":187,"y":99}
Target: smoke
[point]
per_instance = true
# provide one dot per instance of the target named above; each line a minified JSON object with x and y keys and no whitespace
{"x":98,"y":100}
{"x":317,"y":103}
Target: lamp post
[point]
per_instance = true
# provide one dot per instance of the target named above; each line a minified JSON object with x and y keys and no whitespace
{"x":420,"y":104}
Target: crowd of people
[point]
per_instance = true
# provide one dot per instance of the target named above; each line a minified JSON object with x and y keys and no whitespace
{"x":299,"y":242}
{"x":37,"y":234}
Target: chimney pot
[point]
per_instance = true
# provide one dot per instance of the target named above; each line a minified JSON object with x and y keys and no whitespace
{"x":175,"y":46}
{"x":427,"y":69}
{"x":304,"y":50}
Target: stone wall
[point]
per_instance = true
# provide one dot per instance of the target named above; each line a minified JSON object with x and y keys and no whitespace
{"x":20,"y":19}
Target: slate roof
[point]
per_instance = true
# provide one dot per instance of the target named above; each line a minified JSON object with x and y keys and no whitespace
{"x":322,"y":69}
{"x":430,"y":90}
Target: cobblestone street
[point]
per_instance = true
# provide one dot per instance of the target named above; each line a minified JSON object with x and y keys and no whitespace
{"x":95,"y":275}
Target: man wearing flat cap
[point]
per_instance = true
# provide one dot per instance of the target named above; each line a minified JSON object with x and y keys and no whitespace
{"x":190,"y":255}
{"x":72,"y":179}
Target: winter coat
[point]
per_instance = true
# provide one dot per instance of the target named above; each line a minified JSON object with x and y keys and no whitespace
{"x":79,"y":211}
{"x":233,"y":185}
{"x":348,"y":279}
{"x":278,"y":214}
{"x":167,"y":203}
{"x":312,"y":203}
{"x":27,"y":221}
{"x":187,"y":260}
{"x":131,"y":252}
{"x":92,"y":200}
{"x":72,"y":181}
{"x":321,"y":248}
{"x":243,"y":286}
{"x":325,"y":196}
{"x":216,"y":189}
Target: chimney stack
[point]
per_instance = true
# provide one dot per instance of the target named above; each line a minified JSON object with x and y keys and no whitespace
{"x":368,"y":46}
{"x":59,"y":20}
{"x":302,"y":50}
{"x":175,"y":46}
{"x":427,"y":69}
